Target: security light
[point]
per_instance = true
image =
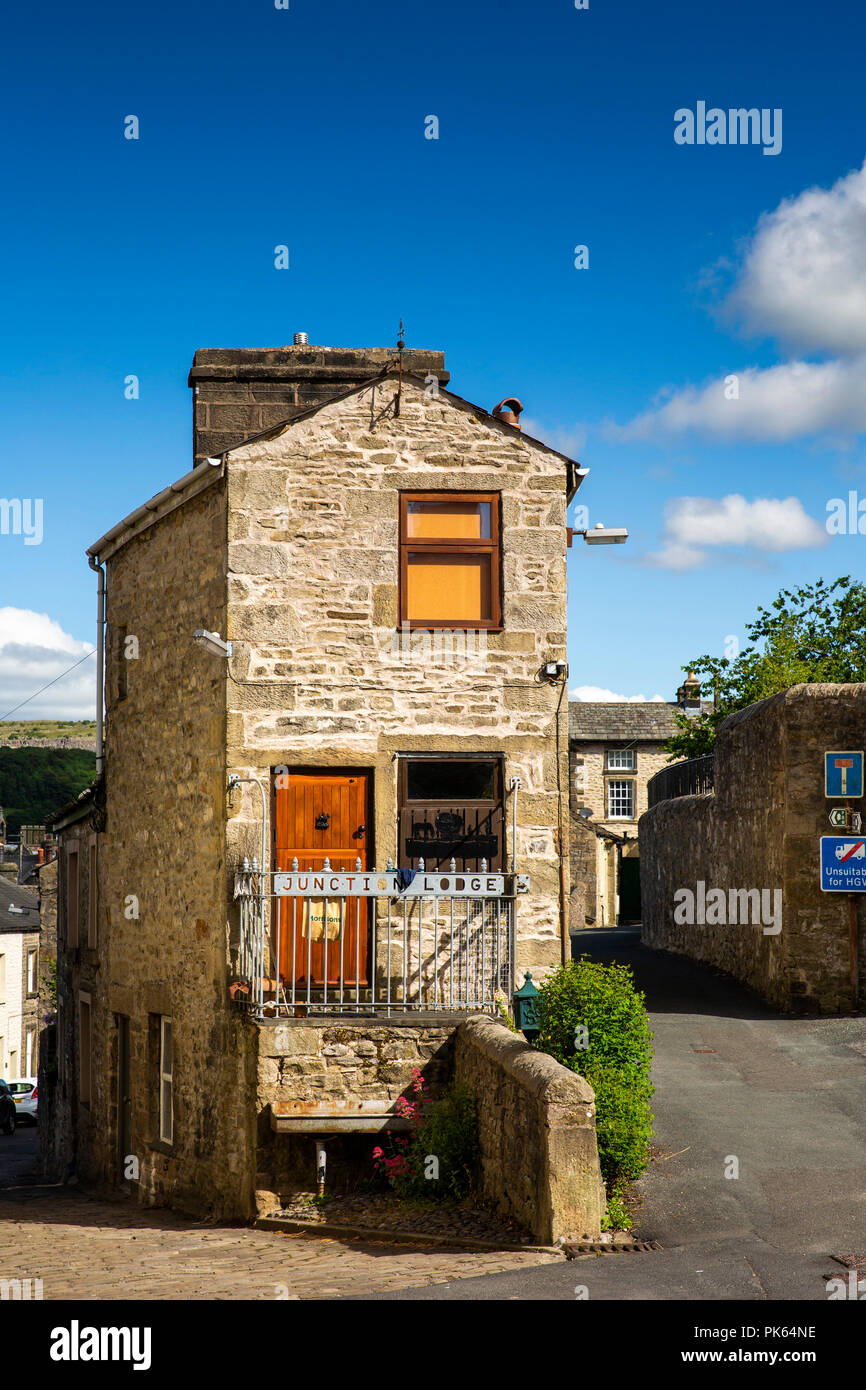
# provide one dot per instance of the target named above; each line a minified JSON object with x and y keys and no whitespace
{"x":553,"y":670}
{"x":212,"y":642}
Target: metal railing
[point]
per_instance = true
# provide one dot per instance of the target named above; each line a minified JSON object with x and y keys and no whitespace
{"x":688,"y":778}
{"x":373,"y":942}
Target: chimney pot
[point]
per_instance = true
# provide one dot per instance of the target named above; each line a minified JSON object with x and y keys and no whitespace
{"x":509,"y":411}
{"x":300,"y":340}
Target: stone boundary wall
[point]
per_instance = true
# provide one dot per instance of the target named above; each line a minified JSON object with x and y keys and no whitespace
{"x":537,"y":1129}
{"x":759,"y":829}
{"x":88,"y":744}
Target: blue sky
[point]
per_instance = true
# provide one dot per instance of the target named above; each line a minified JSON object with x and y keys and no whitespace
{"x":306,"y":127}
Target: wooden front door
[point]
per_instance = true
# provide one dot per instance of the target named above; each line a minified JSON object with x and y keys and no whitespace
{"x":319,"y":816}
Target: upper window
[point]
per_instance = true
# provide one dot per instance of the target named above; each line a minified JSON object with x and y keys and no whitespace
{"x":450,"y":559}
{"x":620,"y":759}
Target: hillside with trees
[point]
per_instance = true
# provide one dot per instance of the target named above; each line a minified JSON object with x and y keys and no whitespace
{"x":36,"y":781}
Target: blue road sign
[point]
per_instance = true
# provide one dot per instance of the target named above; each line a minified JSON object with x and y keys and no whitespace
{"x":843,"y":864}
{"x":843,"y":774}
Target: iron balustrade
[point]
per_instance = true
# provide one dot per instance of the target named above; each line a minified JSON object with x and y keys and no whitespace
{"x":373,"y":941}
{"x":688,"y":778}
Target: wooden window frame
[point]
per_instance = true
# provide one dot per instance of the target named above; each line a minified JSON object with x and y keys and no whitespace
{"x":491,"y":547}
{"x":85,"y":1049}
{"x":165,"y":1118}
{"x":72,"y":904}
{"x":92,"y":871}
{"x":494,"y":804}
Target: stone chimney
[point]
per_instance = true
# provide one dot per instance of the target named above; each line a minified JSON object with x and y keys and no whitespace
{"x":689,"y":695}
{"x":239,"y":392}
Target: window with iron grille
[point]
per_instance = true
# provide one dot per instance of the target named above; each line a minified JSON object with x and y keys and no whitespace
{"x":620,"y":759}
{"x":620,"y":800}
{"x":451,"y":808}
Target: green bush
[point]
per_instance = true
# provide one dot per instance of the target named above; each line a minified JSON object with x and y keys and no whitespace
{"x":593,"y":1020}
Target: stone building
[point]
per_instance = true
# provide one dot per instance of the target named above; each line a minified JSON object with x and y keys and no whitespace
{"x":19,"y":981}
{"x":615,"y":747}
{"x":375,"y":572}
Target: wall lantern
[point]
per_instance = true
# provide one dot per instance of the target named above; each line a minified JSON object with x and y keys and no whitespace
{"x":524,"y":1008}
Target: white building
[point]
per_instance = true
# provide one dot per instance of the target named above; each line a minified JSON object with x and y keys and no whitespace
{"x":19,"y":980}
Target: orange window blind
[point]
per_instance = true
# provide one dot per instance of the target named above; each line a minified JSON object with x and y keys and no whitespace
{"x":450,"y":560}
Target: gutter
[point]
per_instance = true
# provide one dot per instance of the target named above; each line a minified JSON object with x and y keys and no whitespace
{"x":165,"y":501}
{"x":100,"y":663}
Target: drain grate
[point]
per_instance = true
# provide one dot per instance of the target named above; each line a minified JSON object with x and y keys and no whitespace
{"x":623,"y":1246}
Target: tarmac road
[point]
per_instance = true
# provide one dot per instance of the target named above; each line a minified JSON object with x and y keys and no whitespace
{"x":785,"y":1097}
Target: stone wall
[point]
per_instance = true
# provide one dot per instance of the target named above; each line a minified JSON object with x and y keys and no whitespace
{"x":239,"y":392}
{"x":313,"y":610}
{"x":760,"y":830}
{"x":332,"y":1065}
{"x":537,"y":1130}
{"x":163,"y":879}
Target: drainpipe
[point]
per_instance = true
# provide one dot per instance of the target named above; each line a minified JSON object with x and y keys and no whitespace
{"x":100,"y":662}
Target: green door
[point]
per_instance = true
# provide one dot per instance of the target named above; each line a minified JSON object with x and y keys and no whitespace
{"x":629,"y":890}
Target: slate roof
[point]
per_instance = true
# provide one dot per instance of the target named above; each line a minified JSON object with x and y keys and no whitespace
{"x":649,"y":722}
{"x":14,"y":895}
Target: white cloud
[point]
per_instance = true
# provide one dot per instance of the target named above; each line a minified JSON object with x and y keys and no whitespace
{"x":773,"y":404}
{"x":594,"y":694}
{"x":802,"y":280}
{"x":771,"y":525}
{"x":34,"y":650}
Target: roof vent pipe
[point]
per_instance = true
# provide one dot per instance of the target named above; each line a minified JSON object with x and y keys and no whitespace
{"x":508,"y":411}
{"x":300,"y":340}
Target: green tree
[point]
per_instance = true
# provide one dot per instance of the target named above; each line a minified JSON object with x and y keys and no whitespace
{"x":813,"y":633}
{"x":36,"y":781}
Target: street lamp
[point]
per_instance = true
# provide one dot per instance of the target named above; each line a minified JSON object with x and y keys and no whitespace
{"x":601,"y":535}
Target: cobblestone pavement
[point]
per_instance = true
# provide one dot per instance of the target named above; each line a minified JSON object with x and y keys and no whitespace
{"x":83,"y":1248}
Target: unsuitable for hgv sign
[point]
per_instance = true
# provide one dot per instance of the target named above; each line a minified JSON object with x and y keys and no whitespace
{"x":843,"y":864}
{"x":843,"y":774}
